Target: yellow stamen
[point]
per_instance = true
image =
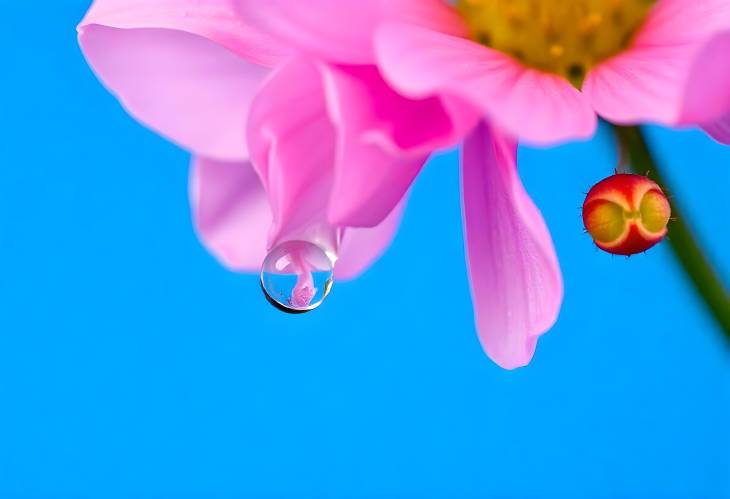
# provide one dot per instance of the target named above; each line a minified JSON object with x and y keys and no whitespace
{"x":565,"y":37}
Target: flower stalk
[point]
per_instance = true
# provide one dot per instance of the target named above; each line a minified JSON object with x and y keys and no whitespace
{"x":685,"y":246}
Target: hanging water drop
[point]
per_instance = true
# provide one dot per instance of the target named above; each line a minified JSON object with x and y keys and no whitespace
{"x":296,"y":276}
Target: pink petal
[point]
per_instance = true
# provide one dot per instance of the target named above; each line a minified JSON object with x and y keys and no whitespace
{"x":231,"y":212}
{"x":339,"y":30}
{"x":292,"y":144}
{"x":437,"y":15}
{"x":707,"y":94}
{"x":342,"y":30}
{"x":188,"y":69}
{"x":647,"y":82}
{"x":516,"y":282}
{"x":232,"y":216}
{"x":535,"y":106}
{"x":361,"y":247}
{"x":383,"y":141}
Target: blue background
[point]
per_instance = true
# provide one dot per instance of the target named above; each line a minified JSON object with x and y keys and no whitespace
{"x":133,"y":365}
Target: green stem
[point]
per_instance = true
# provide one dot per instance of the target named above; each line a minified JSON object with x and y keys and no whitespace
{"x":681,"y":240}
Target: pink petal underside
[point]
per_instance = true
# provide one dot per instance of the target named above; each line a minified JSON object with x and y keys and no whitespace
{"x":342,"y":30}
{"x":515,"y":277}
{"x":535,"y":106}
{"x":232,"y":217}
{"x":187,"y":69}
{"x":383,"y":141}
{"x":231,"y":212}
{"x":292,"y":144}
{"x":647,"y":83}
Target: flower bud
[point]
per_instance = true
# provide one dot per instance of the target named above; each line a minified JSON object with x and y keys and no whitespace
{"x":626,"y":214}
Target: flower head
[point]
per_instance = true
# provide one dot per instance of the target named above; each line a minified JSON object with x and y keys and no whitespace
{"x":310,"y":120}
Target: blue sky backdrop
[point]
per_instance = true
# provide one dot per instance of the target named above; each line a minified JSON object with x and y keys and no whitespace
{"x":133,"y":365}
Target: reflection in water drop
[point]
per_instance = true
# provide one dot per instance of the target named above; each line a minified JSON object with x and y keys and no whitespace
{"x":296,"y":276}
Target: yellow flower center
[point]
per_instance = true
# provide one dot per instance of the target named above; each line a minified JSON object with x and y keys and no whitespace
{"x":565,"y":37}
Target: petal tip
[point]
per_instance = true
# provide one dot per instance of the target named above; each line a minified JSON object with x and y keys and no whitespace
{"x":512,"y":359}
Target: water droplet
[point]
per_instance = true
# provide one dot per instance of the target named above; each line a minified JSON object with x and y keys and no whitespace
{"x":296,"y":276}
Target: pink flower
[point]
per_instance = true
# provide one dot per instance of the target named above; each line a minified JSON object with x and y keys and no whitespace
{"x":337,"y":104}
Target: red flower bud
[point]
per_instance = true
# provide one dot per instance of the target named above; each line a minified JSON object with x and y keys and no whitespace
{"x":626,"y":214}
